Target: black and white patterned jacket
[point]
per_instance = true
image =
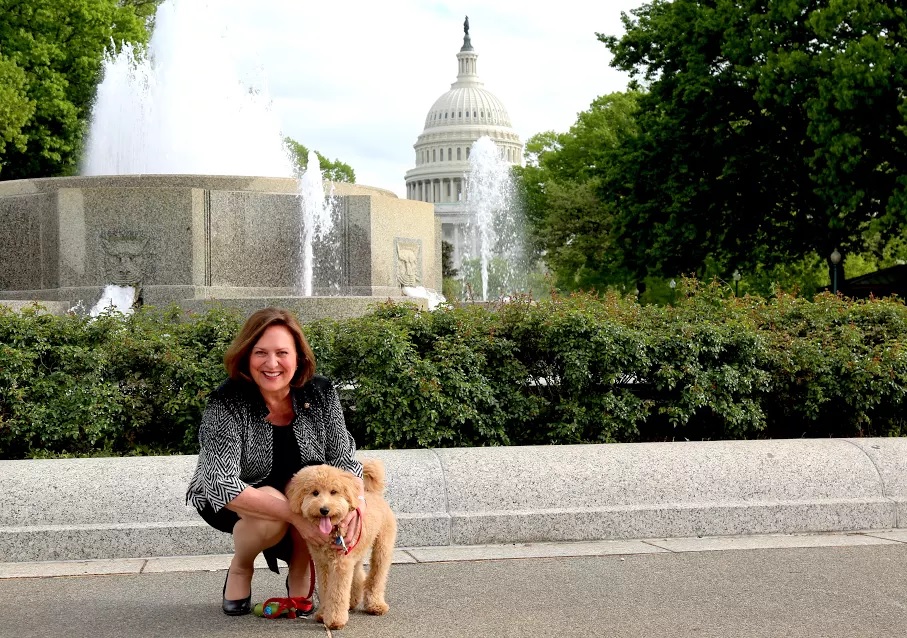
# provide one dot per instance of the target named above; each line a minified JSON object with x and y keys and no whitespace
{"x":236,"y":440}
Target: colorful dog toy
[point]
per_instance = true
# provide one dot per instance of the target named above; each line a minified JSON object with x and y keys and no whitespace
{"x":279,"y":607}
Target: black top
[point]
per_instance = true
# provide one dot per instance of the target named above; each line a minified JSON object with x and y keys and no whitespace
{"x":287,"y":460}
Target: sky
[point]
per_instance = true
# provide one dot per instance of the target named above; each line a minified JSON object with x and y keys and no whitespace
{"x":355,"y":79}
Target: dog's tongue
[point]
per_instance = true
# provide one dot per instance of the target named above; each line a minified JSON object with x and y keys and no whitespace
{"x":325,"y":525}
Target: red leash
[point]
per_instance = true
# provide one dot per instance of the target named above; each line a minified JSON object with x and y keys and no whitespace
{"x":278,"y":606}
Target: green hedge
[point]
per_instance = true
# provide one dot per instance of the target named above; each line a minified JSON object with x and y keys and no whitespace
{"x":571,"y":369}
{"x":75,"y":386}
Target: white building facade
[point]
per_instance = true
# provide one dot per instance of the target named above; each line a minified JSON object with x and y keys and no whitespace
{"x":455,"y":121}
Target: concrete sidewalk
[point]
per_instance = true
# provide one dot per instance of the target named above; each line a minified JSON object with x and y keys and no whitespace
{"x":835,"y":585}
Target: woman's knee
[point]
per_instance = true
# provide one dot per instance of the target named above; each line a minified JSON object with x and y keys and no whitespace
{"x":267,"y":531}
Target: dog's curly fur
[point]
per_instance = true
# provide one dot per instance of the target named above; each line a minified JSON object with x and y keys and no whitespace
{"x":324,"y":490}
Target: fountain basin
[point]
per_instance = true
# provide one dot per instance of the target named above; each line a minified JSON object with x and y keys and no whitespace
{"x":190,"y":239}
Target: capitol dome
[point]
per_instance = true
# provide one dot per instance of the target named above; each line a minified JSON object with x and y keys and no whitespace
{"x":454,"y":122}
{"x":455,"y":107}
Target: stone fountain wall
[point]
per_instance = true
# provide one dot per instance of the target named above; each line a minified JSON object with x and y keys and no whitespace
{"x":189,"y":239}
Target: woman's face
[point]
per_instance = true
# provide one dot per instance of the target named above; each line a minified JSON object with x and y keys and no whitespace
{"x":273,"y":360}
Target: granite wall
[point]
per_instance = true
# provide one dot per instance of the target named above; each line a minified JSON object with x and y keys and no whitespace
{"x":184,"y":237}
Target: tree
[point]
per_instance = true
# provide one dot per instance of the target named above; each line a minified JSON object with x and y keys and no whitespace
{"x":16,"y":109}
{"x":335,"y":171}
{"x":51,"y":51}
{"x":447,"y":269}
{"x":144,"y":9}
{"x":571,"y":224}
{"x":769,"y":130}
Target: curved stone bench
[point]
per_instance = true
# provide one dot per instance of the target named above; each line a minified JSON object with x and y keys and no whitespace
{"x":134,"y":507}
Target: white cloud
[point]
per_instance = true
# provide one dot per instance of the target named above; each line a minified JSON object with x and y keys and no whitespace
{"x":355,"y":78}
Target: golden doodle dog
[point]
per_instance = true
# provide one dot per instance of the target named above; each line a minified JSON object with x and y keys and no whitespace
{"x":324,"y":495}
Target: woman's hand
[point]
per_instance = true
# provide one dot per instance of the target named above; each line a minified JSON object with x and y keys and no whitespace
{"x":350,"y":526}
{"x":309,"y":531}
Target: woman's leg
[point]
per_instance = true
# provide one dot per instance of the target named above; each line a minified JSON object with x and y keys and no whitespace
{"x":300,"y":579}
{"x":251,"y":536}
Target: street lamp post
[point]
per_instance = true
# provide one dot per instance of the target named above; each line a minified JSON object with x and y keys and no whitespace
{"x":736,"y":278}
{"x":835,"y":259}
{"x":672,"y":285}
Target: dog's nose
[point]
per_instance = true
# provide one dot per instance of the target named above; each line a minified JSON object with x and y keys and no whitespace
{"x":324,"y":511}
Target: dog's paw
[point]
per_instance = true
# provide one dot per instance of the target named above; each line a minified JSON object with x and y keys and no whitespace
{"x":376,"y":608}
{"x":336,"y":622}
{"x":319,"y":617}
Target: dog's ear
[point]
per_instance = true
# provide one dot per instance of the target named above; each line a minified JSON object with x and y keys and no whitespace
{"x":351,"y":490}
{"x":296,"y":491}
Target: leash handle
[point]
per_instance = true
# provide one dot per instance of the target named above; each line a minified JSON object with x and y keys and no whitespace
{"x":275,"y":608}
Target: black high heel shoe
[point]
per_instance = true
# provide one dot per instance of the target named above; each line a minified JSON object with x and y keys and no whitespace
{"x":239,"y":607}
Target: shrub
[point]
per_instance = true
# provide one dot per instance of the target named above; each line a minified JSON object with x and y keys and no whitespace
{"x":567,"y":369}
{"x":73,"y":386}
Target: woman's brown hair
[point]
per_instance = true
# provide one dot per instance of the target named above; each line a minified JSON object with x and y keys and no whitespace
{"x":236,"y":359}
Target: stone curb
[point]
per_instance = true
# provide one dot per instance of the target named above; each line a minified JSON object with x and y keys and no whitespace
{"x":77,"y":509}
{"x":522,"y":551}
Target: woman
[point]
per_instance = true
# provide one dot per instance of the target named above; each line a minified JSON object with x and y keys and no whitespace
{"x":272,"y":417}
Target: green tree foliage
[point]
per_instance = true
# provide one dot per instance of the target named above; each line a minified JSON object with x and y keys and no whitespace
{"x":16,"y":109}
{"x":447,"y":269}
{"x":50,"y":60}
{"x":144,"y":9}
{"x":769,"y":130}
{"x":335,"y":171}
{"x":570,"y":223}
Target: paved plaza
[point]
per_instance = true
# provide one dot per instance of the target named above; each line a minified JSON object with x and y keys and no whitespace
{"x":829,"y":585}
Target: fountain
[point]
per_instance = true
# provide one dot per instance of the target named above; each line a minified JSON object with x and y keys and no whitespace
{"x":120,"y":299}
{"x":494,"y":230}
{"x":181,"y":107}
{"x":317,"y":221}
{"x":188,"y":196}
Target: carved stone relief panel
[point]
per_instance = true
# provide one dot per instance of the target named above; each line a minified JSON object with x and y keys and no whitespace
{"x":125,"y":258}
{"x":409,"y":261}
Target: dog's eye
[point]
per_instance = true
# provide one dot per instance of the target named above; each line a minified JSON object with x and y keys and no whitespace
{"x":315,"y":493}
{"x":333,"y":492}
